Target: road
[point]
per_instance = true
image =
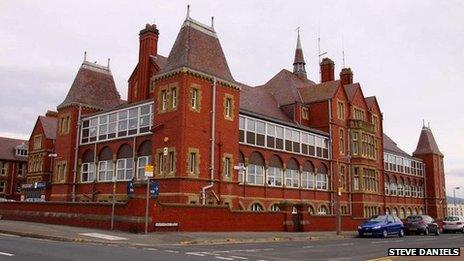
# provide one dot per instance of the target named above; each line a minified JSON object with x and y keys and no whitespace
{"x":20,"y":248}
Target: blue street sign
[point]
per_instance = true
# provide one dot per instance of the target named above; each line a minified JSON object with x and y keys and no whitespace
{"x":154,"y":189}
{"x":130,"y":188}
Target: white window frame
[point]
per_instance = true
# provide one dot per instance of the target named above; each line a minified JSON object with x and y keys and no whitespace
{"x":124,"y":169}
{"x":105,"y":171}
{"x":88,"y":169}
{"x":274,"y":176}
{"x":255,"y":172}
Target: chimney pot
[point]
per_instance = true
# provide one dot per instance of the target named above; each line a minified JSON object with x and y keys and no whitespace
{"x":327,"y":70}
{"x":346,"y":76}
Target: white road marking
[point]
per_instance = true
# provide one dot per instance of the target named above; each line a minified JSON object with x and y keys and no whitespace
{"x":8,"y":235}
{"x":151,"y":249}
{"x":103,"y":236}
{"x":6,"y":254}
{"x":308,"y":246}
{"x":171,"y":251}
{"x":455,"y":237}
{"x":195,"y":254}
{"x":386,"y":241}
{"x":239,"y":257}
{"x":223,"y":258}
{"x":426,"y":239}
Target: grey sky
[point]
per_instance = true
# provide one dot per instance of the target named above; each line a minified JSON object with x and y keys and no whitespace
{"x":407,"y":53}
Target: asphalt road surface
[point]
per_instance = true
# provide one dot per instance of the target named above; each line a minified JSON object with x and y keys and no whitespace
{"x":20,"y":248}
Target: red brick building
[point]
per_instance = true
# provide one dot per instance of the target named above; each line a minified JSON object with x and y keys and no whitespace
{"x":13,"y":167}
{"x":317,"y":147}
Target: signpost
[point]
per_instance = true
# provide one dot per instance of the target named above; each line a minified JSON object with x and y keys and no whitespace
{"x":148,"y":175}
{"x":113,"y":202}
{"x":130,"y":188}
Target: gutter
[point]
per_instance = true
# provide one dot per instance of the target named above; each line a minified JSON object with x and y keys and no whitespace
{"x":213,"y":141}
{"x":76,"y":150}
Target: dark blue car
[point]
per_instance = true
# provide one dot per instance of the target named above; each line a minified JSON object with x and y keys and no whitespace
{"x":381,"y":225}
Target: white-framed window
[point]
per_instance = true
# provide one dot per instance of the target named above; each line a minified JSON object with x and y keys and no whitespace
{"x":124,"y":169}
{"x":194,"y":99}
{"x":2,"y":186}
{"x":256,"y":207}
{"x":3,"y":168}
{"x":105,"y":170}
{"x":387,"y":188}
{"x":323,"y":210}
{"x":307,"y":180}
{"x":275,"y":208}
{"x":88,"y":172}
{"x":192,"y":162}
{"x":393,"y":189}
{"x":174,"y":97}
{"x":274,"y":176}
{"x":255,"y":174}
{"x":292,"y":178}
{"x":141,"y":163}
{"x":321,"y":181}
{"x":228,"y":107}
{"x":227,"y":167}
{"x":164,"y":100}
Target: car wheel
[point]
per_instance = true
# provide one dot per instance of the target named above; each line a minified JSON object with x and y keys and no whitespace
{"x":384,"y":233}
{"x":361,"y":235}
{"x":444,"y":231}
{"x":437,"y":232}
{"x":401,"y":233}
{"x":426,"y":231}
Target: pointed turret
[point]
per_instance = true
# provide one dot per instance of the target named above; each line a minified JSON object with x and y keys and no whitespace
{"x":427,"y":143}
{"x":299,"y":62}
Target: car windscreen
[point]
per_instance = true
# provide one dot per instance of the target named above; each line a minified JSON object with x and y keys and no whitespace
{"x":380,"y":218}
{"x":451,"y":219}
{"x":414,"y":218}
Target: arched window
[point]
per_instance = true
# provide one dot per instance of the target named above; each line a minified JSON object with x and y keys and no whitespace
{"x":393,"y":187}
{"x":407,"y":188}
{"x":322,"y":177}
{"x":143,"y":159}
{"x":395,"y":212}
{"x":421,"y":211}
{"x":125,"y":163}
{"x":323,"y":210}
{"x":256,"y":207}
{"x":275,"y":172}
{"x":401,"y":216}
{"x":88,"y":166}
{"x":292,"y":174}
{"x":387,"y":185}
{"x":255,"y":169}
{"x":420,"y":189}
{"x":387,"y":211}
{"x":408,"y":212}
{"x":307,"y":176}
{"x":105,"y":165}
{"x":414,"y":211}
{"x":275,"y":208}
{"x":413,"y":189}
{"x":311,"y":210}
{"x":400,"y":187}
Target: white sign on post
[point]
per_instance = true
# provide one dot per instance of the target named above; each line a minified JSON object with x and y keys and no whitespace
{"x":165,"y":151}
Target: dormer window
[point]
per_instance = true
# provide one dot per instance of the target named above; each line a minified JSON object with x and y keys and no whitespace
{"x":21,"y":152}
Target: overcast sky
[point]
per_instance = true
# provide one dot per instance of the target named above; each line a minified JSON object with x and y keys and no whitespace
{"x":407,"y":53}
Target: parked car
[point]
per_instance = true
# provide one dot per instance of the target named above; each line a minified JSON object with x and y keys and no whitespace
{"x":381,"y":225}
{"x":454,"y":224}
{"x":421,"y":224}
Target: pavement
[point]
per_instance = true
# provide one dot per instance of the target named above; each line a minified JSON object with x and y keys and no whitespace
{"x":91,"y":235}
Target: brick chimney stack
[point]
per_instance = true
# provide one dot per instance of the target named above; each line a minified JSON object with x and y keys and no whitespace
{"x":327,"y":70}
{"x":346,"y":76}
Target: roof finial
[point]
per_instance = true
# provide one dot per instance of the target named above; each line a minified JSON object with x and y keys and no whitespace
{"x":423,"y":123}
{"x":212,"y":22}
{"x":298,"y":42}
{"x":85,"y":56}
{"x":188,"y":12}
{"x":108,"y":63}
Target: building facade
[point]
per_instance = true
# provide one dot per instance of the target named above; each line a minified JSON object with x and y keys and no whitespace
{"x":215,"y":141}
{"x":13,"y":167}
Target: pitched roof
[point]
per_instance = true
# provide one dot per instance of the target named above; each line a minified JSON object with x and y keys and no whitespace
{"x":319,"y":92}
{"x":159,"y":60}
{"x":370,"y":101}
{"x":391,"y":146}
{"x":49,"y":125}
{"x":285,"y":85}
{"x":351,"y":89}
{"x":8,"y":148}
{"x":427,"y":143}
{"x":93,"y":86}
{"x":260,"y":101}
{"x":197,"y":47}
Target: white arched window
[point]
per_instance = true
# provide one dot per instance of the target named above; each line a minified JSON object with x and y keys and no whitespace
{"x":256,"y":207}
{"x":275,"y":208}
{"x":323,"y":210}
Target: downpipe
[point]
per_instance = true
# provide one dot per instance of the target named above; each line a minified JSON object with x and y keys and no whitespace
{"x":212,"y":149}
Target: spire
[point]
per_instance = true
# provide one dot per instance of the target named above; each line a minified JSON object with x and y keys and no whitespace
{"x":299,"y":62}
{"x":427,"y":143}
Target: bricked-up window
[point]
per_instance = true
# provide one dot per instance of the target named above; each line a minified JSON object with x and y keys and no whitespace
{"x":305,"y":113}
{"x":37,"y":142}
{"x":375,"y":122}
{"x":174,"y":97}
{"x":61,"y":170}
{"x":275,"y":172}
{"x":342,"y":141}
{"x":341,"y":110}
{"x":122,"y":123}
{"x":164,"y":100}
{"x":2,"y":186}
{"x":307,"y":176}
{"x":3,"y":168}
{"x":64,"y":124}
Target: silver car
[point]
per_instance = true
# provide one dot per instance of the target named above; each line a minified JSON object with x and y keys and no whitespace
{"x":453,"y":223}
